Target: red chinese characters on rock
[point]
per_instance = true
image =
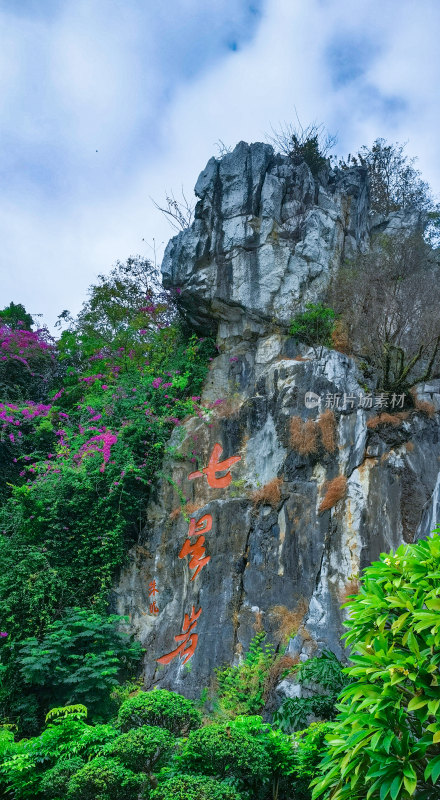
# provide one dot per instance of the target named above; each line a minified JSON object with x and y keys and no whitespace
{"x":188,"y":639}
{"x":152,"y":591}
{"x":214,"y":466}
{"x":197,"y":550}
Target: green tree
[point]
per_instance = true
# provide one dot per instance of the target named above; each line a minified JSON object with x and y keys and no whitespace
{"x":15,"y":316}
{"x":385,"y":742}
{"x":314,"y":326}
{"x":78,"y":660}
{"x":194,"y":787}
{"x":162,"y":708}
{"x":143,"y":749}
{"x":389,"y":298}
{"x":104,"y":779}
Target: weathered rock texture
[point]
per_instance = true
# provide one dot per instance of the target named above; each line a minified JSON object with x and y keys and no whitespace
{"x":267,"y":238}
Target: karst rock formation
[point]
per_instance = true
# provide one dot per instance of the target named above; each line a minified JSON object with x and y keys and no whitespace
{"x":266,"y":239}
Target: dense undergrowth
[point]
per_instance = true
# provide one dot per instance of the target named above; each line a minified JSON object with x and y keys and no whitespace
{"x":84,"y":424}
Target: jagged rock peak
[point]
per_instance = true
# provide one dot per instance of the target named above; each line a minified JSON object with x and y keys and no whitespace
{"x":266,"y":238}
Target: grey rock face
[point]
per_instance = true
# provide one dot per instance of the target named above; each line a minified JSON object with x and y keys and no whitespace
{"x":277,"y":559}
{"x":267,"y":237}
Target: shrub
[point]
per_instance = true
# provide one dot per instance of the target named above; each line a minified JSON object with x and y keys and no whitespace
{"x":335,"y":491}
{"x":28,"y":762}
{"x":224,"y":752}
{"x":269,"y":494}
{"x":311,"y":144}
{"x":241,"y":689}
{"x":308,"y":748}
{"x":326,"y":423}
{"x":104,"y":779}
{"x":142,"y":749}
{"x":55,"y":781}
{"x":194,"y":787}
{"x":323,"y":678}
{"x":159,"y":708}
{"x":79,"y":660}
{"x":314,"y":326}
{"x":385,"y":742}
{"x":303,"y":436}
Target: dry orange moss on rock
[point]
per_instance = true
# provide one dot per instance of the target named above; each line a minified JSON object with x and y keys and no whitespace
{"x":425,"y":407}
{"x":269,"y":494}
{"x":335,"y":491}
{"x":387,"y":419}
{"x":304,"y":434}
{"x":340,"y":338}
{"x":287,"y":621}
{"x":327,"y":426}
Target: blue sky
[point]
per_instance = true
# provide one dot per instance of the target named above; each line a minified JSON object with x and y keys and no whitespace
{"x":107,"y":103}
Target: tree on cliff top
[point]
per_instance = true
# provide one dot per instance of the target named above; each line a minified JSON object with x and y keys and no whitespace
{"x":395,"y":183}
{"x":389,"y":299}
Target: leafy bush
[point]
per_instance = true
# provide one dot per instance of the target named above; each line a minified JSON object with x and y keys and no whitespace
{"x":142,"y":749}
{"x":162,"y":708}
{"x":241,"y":689}
{"x":223,"y":751}
{"x":104,"y":779}
{"x":25,"y":765}
{"x":385,"y":742}
{"x":193,"y":787}
{"x":310,"y":144}
{"x":322,"y":676}
{"x":309,"y":748}
{"x":77,"y":467}
{"x":79,"y":660}
{"x":54,"y":781}
{"x":314,"y":326}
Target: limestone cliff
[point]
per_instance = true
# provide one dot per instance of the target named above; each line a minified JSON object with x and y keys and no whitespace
{"x":266,"y":239}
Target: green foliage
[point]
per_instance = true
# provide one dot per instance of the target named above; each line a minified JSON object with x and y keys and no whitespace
{"x":194,"y":787}
{"x":79,"y":660}
{"x":77,"y":471}
{"x":259,"y":761}
{"x":314,"y":326}
{"x":323,"y":678}
{"x":241,"y":689}
{"x":143,"y":749}
{"x":54,"y":782}
{"x":159,"y":708}
{"x":309,"y":748}
{"x":15,"y":316}
{"x":104,"y":779}
{"x":311,"y":144}
{"x":385,"y":742}
{"x":223,"y":751}
{"x":25,"y":764}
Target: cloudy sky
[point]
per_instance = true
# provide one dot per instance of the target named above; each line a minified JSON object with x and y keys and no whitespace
{"x":105,"y":104}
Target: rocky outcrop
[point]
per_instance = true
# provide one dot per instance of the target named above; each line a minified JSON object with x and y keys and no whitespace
{"x":266,"y":238}
{"x":321,"y":488}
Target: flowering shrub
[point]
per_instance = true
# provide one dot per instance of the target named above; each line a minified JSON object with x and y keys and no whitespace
{"x":80,"y":463}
